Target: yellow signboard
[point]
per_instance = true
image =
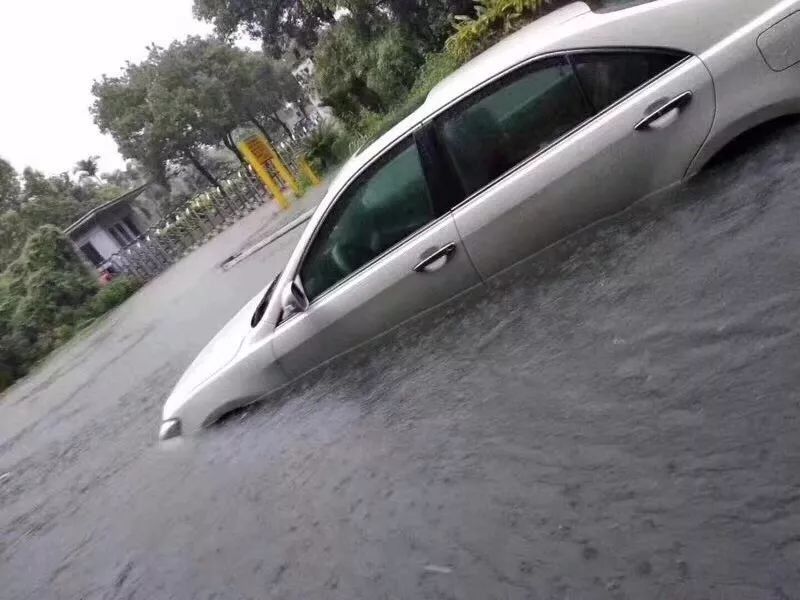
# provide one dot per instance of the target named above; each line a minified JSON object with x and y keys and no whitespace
{"x":260,"y":148}
{"x":257,"y":152}
{"x":260,"y":154}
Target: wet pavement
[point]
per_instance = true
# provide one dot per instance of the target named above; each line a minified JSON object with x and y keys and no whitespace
{"x":617,"y":418}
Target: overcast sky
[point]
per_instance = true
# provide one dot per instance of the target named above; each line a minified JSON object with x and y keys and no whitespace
{"x":51,"y":51}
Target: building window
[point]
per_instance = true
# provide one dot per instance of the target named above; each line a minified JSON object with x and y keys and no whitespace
{"x":120,"y":239}
{"x":132,"y":226}
{"x":90,"y":252}
{"x":121,"y":234}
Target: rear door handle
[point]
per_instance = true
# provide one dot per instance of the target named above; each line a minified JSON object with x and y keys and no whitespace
{"x":675,"y":104}
{"x":427,"y":264}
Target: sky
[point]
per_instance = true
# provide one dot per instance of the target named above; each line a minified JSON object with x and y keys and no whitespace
{"x":51,"y":51}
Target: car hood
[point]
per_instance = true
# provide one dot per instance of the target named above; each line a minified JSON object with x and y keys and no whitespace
{"x":220,"y":351}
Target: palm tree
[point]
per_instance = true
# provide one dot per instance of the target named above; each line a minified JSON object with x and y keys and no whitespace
{"x":87,"y":167}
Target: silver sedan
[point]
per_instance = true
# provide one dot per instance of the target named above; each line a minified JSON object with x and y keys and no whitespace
{"x":570,"y":120}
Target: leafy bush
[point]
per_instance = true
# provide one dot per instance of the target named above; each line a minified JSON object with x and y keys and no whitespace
{"x":41,"y":296}
{"x":392,"y":65}
{"x":45,"y":294}
{"x":493,"y":19}
{"x":361,"y":70}
{"x":113,"y":294}
{"x":371,"y":125}
{"x":326,"y":147}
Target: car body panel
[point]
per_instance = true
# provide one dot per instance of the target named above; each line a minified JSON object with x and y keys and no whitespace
{"x":597,"y":170}
{"x":380,"y":296}
{"x":233,"y":369}
{"x":748,"y":91}
{"x":780,"y":44}
{"x":219,"y":351}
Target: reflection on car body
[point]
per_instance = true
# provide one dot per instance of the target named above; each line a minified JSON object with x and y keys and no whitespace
{"x":571,"y":119}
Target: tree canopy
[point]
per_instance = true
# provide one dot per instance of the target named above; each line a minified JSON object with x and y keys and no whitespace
{"x":188,"y":96}
{"x":87,"y":167}
{"x":9,"y":186}
{"x":279,"y":23}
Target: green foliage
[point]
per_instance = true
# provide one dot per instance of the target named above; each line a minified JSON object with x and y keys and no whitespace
{"x":326,"y":147}
{"x":113,"y":294}
{"x":45,"y":294}
{"x":365,"y":77}
{"x":187,"y":97}
{"x":42,"y":294}
{"x":364,"y":71}
{"x":371,"y":125}
{"x":13,"y":232}
{"x":86,"y":167}
{"x":9,"y":186}
{"x":394,"y":63}
{"x":283,"y":24}
{"x":493,"y":18}
{"x":277,"y":23}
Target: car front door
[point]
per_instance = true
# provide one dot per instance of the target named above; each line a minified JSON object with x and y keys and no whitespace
{"x":383,"y":253}
{"x":566,"y":140}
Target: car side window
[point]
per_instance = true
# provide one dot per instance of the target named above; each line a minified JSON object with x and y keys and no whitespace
{"x":608,"y":76}
{"x":386,"y":204}
{"x":510,"y":120}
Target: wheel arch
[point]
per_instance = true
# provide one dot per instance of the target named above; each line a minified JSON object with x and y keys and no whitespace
{"x":719,"y":139}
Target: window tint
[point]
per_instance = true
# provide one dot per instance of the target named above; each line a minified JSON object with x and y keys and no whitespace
{"x":499,"y":127}
{"x":608,"y":76}
{"x":385,"y":205}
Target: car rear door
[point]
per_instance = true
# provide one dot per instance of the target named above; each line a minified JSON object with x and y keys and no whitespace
{"x":565,"y":140}
{"x":384,"y":252}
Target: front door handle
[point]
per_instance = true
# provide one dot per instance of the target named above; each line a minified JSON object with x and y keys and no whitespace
{"x":676,"y":104}
{"x":436,"y":259}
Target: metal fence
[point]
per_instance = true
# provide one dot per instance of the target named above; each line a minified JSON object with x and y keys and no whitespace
{"x":189,"y":226}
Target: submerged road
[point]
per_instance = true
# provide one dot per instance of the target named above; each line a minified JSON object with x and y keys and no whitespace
{"x":617,"y":418}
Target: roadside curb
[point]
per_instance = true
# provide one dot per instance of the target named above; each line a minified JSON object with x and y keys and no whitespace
{"x":234,"y":260}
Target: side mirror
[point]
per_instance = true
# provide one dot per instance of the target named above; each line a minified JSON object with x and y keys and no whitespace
{"x":294,"y":299}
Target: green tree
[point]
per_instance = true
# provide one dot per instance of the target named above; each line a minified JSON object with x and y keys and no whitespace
{"x":493,"y":19}
{"x":9,"y":186}
{"x":266,"y":87}
{"x":188,"y":97}
{"x":277,"y":23}
{"x":42,"y":295}
{"x":34,"y":183}
{"x":87,"y":167}
{"x":13,"y":232}
{"x":122,"y":108}
{"x":128,"y":178}
{"x":425,"y":23}
{"x":354,"y":73}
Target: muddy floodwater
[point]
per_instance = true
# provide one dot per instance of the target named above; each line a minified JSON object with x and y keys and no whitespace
{"x":617,"y":418}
